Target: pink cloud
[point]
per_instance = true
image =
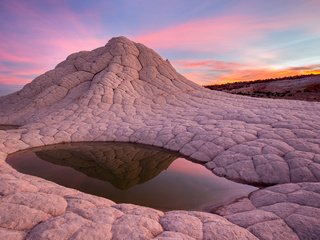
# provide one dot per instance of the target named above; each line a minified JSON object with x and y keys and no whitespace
{"x":48,"y":41}
{"x":217,"y":34}
{"x":19,"y":74}
{"x":33,"y":63}
{"x":216,"y":65}
{"x":12,"y":57}
{"x":233,"y":32}
{"x":200,"y":78}
{"x":11,"y":80}
{"x":204,"y":71}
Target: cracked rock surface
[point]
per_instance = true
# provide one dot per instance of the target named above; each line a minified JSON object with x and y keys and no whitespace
{"x":126,"y":92}
{"x":290,"y":210}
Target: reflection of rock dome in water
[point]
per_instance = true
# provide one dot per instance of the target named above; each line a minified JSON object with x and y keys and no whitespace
{"x":130,"y":173}
{"x":123,"y":165}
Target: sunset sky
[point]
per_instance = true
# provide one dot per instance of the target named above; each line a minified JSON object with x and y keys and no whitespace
{"x":208,"y":41}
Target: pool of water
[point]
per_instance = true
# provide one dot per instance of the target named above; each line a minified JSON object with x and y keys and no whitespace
{"x":8,"y":127}
{"x":130,"y":173}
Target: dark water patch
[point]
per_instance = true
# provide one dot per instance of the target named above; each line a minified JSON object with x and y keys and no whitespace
{"x":130,"y":173}
{"x":8,"y":127}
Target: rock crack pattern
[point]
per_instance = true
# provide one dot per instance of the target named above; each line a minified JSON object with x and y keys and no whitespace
{"x":126,"y":92}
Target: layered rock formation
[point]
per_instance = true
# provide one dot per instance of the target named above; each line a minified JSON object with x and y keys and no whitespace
{"x":126,"y":92}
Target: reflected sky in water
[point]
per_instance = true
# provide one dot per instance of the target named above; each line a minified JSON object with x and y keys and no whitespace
{"x":130,"y":173}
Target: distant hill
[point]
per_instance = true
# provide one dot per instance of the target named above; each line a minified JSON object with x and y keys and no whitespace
{"x":303,"y":87}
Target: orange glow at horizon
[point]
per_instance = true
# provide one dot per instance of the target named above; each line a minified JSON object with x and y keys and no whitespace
{"x":247,"y":76}
{"x":264,"y":75}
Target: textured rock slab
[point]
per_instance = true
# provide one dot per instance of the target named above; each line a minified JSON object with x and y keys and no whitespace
{"x":127,"y":92}
{"x":290,"y":210}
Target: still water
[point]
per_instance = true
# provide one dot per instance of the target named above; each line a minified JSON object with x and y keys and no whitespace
{"x":130,"y":173}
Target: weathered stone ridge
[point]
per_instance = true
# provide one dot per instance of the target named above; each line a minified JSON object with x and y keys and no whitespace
{"x":126,"y":92}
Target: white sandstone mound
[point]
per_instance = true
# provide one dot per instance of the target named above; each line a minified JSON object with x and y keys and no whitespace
{"x":121,"y":72}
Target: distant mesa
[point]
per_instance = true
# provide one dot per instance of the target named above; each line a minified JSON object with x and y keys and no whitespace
{"x":304,"y":87}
